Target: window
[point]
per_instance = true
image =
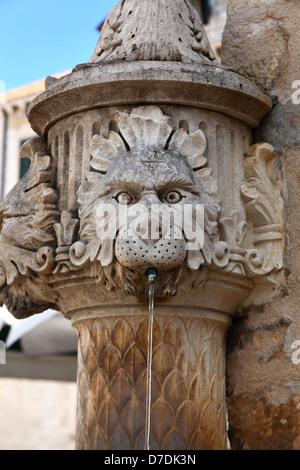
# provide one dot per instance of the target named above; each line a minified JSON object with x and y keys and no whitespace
{"x":204,"y":9}
{"x":24,"y":163}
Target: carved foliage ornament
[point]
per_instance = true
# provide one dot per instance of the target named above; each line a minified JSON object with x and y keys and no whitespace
{"x":27,"y":239}
{"x":153,"y":30}
{"x":264,"y":205}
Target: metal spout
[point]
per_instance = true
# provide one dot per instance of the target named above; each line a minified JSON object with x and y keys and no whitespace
{"x":152,"y":275}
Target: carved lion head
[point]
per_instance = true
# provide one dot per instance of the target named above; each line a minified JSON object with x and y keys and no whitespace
{"x":133,"y":202}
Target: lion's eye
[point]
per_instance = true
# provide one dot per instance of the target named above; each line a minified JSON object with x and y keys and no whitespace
{"x":124,"y":198}
{"x":173,"y":197}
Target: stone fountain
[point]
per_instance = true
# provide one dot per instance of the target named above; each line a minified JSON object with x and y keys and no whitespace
{"x":152,"y":124}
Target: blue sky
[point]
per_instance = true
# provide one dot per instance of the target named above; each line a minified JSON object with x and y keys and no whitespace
{"x":44,"y":37}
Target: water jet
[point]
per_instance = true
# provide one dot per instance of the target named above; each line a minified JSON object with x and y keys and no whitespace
{"x":152,"y":274}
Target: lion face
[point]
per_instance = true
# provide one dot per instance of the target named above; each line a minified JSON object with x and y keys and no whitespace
{"x":135,"y":201}
{"x":149,"y":208}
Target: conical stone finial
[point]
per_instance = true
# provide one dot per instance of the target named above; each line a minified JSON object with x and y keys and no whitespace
{"x":161,"y":30}
{"x":149,"y":51}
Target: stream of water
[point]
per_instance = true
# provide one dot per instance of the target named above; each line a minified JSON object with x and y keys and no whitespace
{"x":149,"y":360}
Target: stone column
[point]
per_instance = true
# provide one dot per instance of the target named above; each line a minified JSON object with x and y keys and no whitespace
{"x":145,"y":160}
{"x":188,"y":399}
{"x":262,"y":41}
{"x":188,"y":379}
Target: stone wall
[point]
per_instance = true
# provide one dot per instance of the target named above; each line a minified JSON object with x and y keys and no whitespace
{"x":262,"y":42}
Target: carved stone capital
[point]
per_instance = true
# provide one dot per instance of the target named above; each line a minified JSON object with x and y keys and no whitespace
{"x":138,"y":208}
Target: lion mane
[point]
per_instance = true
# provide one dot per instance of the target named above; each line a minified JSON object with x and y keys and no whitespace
{"x":144,"y":141}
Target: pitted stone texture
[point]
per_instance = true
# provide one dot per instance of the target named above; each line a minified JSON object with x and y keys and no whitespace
{"x":139,"y":158}
{"x":188,"y":385}
{"x":161,"y":254}
{"x":261,"y":40}
{"x":263,"y":382}
{"x":257,"y":423}
{"x":145,"y":154}
{"x":270,"y":47}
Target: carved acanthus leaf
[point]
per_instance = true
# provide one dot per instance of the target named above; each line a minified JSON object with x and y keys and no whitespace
{"x":29,"y":212}
{"x":191,"y":146}
{"x":82,"y":253}
{"x":109,"y":147}
{"x":17,"y":261}
{"x":261,"y":192}
{"x":27,"y":240}
{"x":233,"y":229}
{"x":66,"y":233}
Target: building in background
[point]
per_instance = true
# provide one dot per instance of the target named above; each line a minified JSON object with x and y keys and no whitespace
{"x":14,"y":131}
{"x":216,"y":24}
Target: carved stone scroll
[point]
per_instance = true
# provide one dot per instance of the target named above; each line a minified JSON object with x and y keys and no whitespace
{"x":27,"y":240}
{"x":261,"y":192}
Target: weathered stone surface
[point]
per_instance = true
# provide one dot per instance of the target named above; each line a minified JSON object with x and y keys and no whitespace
{"x":259,"y":423}
{"x":147,"y":82}
{"x":263,"y":403}
{"x":27,"y":240}
{"x":155,"y":30}
{"x":263,"y":381}
{"x":156,"y":172}
{"x":273,"y":63}
{"x":260,"y":63}
{"x":281,"y":127}
{"x":188,"y":386}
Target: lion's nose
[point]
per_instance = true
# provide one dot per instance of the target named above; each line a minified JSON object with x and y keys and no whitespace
{"x":148,"y":228}
{"x":149,"y":225}
{"x":149,"y":199}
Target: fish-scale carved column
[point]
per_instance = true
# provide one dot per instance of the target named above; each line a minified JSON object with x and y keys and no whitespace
{"x":188,"y":383}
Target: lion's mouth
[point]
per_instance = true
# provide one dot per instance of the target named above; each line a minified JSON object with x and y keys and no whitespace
{"x":135,"y":253}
